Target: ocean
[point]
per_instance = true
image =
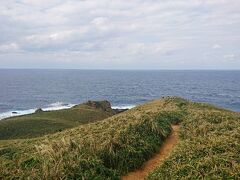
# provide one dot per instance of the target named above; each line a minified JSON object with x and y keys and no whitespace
{"x":23,"y":91}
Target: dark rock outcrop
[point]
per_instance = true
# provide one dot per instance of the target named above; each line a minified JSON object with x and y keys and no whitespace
{"x":39,"y":110}
{"x":105,"y":106}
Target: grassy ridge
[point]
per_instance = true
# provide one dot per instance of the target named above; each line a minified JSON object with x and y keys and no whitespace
{"x":209,"y":146}
{"x":42,"y":123}
{"x":103,"y":150}
{"x":208,"y":149}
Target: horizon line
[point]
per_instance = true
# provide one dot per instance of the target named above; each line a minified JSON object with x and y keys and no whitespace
{"x":114,"y":69}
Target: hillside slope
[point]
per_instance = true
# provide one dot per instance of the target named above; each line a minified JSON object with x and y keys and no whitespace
{"x":209,"y":146}
{"x":47,"y":122}
{"x":112,"y":147}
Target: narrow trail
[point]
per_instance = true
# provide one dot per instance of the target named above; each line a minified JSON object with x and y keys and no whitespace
{"x":151,"y":164}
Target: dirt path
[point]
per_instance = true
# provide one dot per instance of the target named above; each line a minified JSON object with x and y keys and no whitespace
{"x":151,"y":164}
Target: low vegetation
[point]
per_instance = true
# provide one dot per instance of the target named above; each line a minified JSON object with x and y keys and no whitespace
{"x":209,"y":146}
{"x":42,"y":123}
{"x":108,"y":149}
{"x":102,"y":150}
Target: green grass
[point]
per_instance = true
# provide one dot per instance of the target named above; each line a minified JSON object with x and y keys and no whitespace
{"x":42,"y":123}
{"x":102,"y":150}
{"x":107,"y":149}
{"x":209,"y":146}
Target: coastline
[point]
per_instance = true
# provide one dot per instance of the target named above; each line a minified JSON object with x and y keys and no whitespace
{"x":52,"y":107}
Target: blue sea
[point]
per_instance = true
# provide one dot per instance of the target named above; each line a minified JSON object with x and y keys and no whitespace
{"x":22,"y":91}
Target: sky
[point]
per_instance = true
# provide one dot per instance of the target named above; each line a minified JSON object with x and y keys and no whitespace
{"x":117,"y":34}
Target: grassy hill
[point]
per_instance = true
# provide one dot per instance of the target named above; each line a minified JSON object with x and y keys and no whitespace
{"x":107,"y":149}
{"x":209,"y":146}
{"x":42,"y":123}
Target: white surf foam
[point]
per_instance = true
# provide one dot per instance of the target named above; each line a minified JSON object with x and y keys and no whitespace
{"x":50,"y":107}
{"x":16,"y":113}
{"x":130,"y":106}
{"x":58,"y":106}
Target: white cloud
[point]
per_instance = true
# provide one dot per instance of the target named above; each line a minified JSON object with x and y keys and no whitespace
{"x":50,"y":38}
{"x":102,"y":23}
{"x":11,"y":47}
{"x":216,"y":46}
{"x":231,"y":56}
{"x":161,"y":32}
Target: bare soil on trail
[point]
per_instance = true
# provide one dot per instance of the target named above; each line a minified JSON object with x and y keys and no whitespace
{"x":157,"y":159}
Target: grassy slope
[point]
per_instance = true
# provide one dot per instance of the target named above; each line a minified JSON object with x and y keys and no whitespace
{"x":105,"y":149}
{"x":121,"y":143}
{"x":209,"y":147}
{"x":38,"y":124}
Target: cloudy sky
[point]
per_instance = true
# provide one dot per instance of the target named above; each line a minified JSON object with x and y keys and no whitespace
{"x":117,"y":34}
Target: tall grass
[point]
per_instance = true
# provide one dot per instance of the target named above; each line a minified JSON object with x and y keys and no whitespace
{"x":209,"y":147}
{"x":101,"y":150}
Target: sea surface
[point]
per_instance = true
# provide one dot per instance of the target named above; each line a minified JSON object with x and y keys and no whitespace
{"x":23,"y":91}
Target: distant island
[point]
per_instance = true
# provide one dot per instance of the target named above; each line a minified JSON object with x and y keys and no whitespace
{"x":168,"y":137}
